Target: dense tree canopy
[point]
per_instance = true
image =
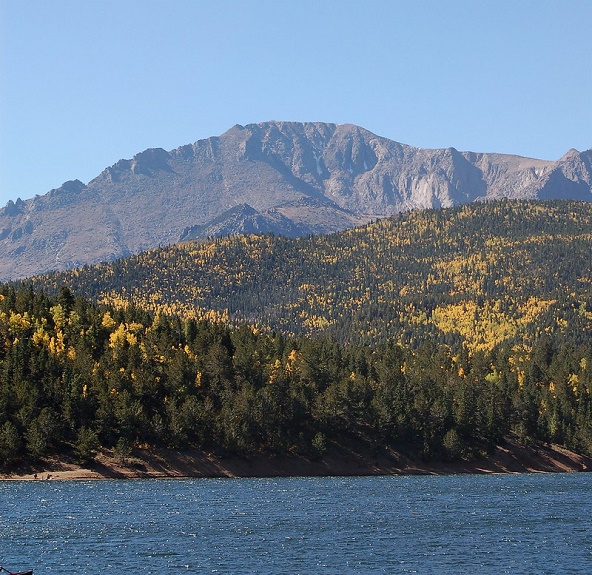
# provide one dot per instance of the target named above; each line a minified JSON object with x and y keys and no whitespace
{"x":473,"y":276}
{"x":435,"y":333}
{"x":79,"y":375}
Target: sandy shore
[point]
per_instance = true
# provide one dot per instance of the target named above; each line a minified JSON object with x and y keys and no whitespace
{"x":162,"y":463}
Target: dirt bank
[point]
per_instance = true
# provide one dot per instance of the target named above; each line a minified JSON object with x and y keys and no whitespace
{"x":159,"y":463}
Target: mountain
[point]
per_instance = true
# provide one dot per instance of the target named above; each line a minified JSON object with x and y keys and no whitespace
{"x":295,"y":178}
{"x":305,"y":216}
{"x":469,"y":277}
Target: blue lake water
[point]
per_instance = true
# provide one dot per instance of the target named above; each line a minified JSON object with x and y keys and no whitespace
{"x":495,"y":524}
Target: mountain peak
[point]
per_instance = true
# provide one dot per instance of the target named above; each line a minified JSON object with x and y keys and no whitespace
{"x":571,"y":153}
{"x":292,"y":178}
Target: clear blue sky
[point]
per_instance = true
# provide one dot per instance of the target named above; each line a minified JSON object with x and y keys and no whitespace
{"x":84,"y":83}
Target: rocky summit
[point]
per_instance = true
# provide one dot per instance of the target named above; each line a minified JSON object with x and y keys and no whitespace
{"x":283,"y":177}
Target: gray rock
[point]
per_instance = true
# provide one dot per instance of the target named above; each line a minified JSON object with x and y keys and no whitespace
{"x":282,"y":177}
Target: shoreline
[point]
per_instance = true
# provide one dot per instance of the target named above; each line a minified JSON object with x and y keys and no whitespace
{"x":511,"y":457}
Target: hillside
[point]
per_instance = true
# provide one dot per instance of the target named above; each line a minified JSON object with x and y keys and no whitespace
{"x":78,"y":380}
{"x":288,"y":178}
{"x":473,"y":276}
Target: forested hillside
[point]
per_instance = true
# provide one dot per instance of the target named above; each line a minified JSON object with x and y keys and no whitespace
{"x":470,"y":277}
{"x":76,"y":376}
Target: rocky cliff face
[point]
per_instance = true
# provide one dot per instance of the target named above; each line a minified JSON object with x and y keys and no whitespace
{"x":289,"y":178}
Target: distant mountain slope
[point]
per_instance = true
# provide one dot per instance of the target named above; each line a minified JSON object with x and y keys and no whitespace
{"x":302,"y":178}
{"x":471,"y":276}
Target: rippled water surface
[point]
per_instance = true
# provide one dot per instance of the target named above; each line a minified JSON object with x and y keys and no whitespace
{"x":530,"y":524}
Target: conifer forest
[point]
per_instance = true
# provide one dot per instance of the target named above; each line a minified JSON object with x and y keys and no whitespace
{"x":435,"y":333}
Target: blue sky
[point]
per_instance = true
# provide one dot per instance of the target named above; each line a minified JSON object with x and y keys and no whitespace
{"x":84,"y":83}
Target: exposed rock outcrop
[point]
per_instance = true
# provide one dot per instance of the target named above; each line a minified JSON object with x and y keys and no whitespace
{"x":296,"y":178}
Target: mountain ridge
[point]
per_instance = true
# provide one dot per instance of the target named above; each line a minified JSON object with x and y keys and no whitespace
{"x":302,"y":178}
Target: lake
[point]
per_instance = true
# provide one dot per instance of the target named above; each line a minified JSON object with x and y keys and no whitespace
{"x":469,"y":524}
